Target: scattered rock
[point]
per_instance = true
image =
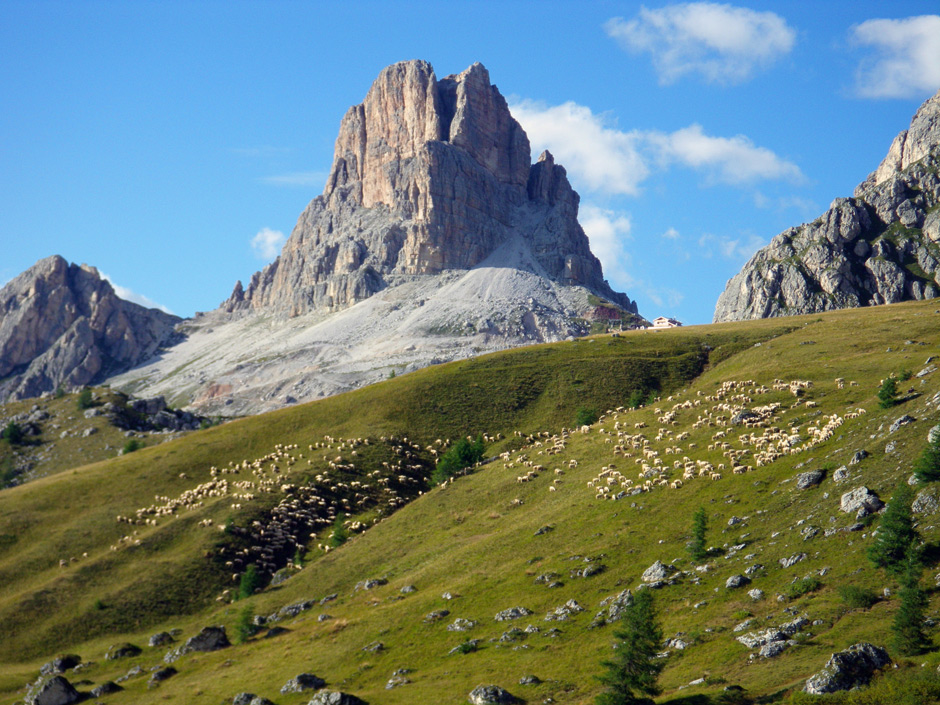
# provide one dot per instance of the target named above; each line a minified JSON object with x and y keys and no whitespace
{"x":374,"y":647}
{"x":461,"y":625}
{"x":334,"y":697}
{"x":302,"y":682}
{"x":512,"y":613}
{"x":840,"y":475}
{"x":848,"y":669}
{"x":160,"y":675}
{"x":774,"y":648}
{"x":52,"y":691}
{"x":408,"y":589}
{"x":560,"y":614}
{"x":612,"y":608}
{"x":860,"y":498}
{"x":209,"y":639}
{"x":530,"y":680}
{"x":544,"y":530}
{"x":858,"y":457}
{"x":736,"y":581}
{"x":927,"y":501}
{"x":160,"y":639}
{"x":903,"y":421}
{"x":436,"y":615}
{"x":370,"y":584}
{"x":791,"y":561}
{"x":933,"y":435}
{"x":756,"y":594}
{"x":124,"y":650}
{"x":488,"y":694}
{"x":657,"y":571}
{"x":105,"y":688}
{"x":60,"y":664}
{"x":805,"y":480}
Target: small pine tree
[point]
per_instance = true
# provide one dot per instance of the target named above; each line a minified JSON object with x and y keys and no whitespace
{"x":585,"y":417}
{"x":696,"y":546}
{"x":887,"y":395}
{"x":909,"y":638}
{"x":340,"y":533}
{"x":896,"y":533}
{"x":84,"y":400}
{"x":927,"y":466}
{"x":12,"y":434}
{"x":245,"y":627}
{"x":250,"y":581}
{"x":634,"y":666}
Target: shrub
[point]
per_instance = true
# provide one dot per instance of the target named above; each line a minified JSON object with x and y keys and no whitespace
{"x":84,"y":400}
{"x":245,"y":627}
{"x":856,"y":597}
{"x":927,"y":465}
{"x":12,"y":434}
{"x":98,"y":604}
{"x":340,"y":533}
{"x":468,"y":647}
{"x":585,"y":417}
{"x":802,"y":587}
{"x":635,"y":400}
{"x":905,"y":375}
{"x":250,"y":581}
{"x":132,"y":445}
{"x":887,"y":395}
{"x":461,"y":455}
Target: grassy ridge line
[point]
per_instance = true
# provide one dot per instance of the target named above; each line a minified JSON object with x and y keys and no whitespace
{"x":46,"y":607}
{"x":470,"y":540}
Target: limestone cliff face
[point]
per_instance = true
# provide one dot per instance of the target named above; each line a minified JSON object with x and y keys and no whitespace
{"x":62,"y":325}
{"x":881,"y":246}
{"x":428,"y":175}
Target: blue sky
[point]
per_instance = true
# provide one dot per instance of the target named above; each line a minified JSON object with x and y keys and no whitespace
{"x":174,"y":144}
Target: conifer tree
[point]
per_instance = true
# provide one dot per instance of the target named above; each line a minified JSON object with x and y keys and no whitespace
{"x":908,"y":627}
{"x":896,"y":533}
{"x":696,"y":546}
{"x":887,"y":394}
{"x":927,"y":466}
{"x":634,"y":666}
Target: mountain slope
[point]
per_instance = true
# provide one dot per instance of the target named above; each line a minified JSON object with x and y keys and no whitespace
{"x":475,"y":541}
{"x":881,"y":246}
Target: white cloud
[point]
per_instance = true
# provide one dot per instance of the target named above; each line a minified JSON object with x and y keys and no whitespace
{"x":297,"y":178}
{"x":267,"y":243}
{"x":906,"y":60}
{"x":607,"y":160}
{"x":733,"y":160}
{"x":595,"y":153}
{"x":128,"y":295}
{"x":608,"y":232}
{"x":723,"y":43}
{"x":671,"y":234}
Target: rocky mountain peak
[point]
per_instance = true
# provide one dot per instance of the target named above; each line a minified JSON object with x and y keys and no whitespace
{"x":61,"y":324}
{"x":428,"y":175}
{"x":881,"y":246}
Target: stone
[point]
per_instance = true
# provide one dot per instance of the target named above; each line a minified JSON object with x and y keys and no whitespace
{"x":160,"y":639}
{"x":370,"y":584}
{"x":374,"y":647}
{"x":512,"y":613}
{"x":408,"y":589}
{"x":63,"y":325}
{"x":901,"y":421}
{"x":933,"y":435}
{"x":736,"y":581}
{"x":243,"y":699}
{"x":562,"y":613}
{"x":858,"y":457}
{"x":105,"y":688}
{"x":773,"y":649}
{"x":612,"y":608}
{"x":436,"y":615}
{"x":791,"y":561}
{"x":657,"y":571}
{"x":209,"y":639}
{"x":840,"y":259}
{"x":302,"y":682}
{"x":490,"y":694}
{"x":927,"y":501}
{"x":461,"y":625}
{"x":160,"y":675}
{"x":840,"y":475}
{"x":125,"y":650}
{"x":60,"y":664}
{"x":805,"y":480}
{"x":334,"y":697}
{"x":756,"y":594}
{"x":860,"y":498}
{"x":530,"y":680}
{"x":52,"y":691}
{"x":848,"y":669}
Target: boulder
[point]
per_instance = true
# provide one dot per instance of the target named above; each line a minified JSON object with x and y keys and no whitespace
{"x":756,"y":594}
{"x":489,"y":694}
{"x":858,"y":457}
{"x":840,"y":475}
{"x":848,"y":669}
{"x":860,"y":498}
{"x":902,"y":421}
{"x":927,"y":501}
{"x":736,"y":581}
{"x":125,"y":650}
{"x":334,"y":697}
{"x":161,"y":674}
{"x":105,"y":688}
{"x":791,"y":561}
{"x":53,"y":691}
{"x":612,"y":608}
{"x":160,"y":639}
{"x":933,"y":435}
{"x":805,"y":480}
{"x":302,"y":682}
{"x":657,"y":571}
{"x":512,"y":613}
{"x":209,"y":639}
{"x":60,"y":664}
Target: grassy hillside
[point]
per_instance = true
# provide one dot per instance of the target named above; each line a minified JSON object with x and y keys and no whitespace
{"x":478,"y":539}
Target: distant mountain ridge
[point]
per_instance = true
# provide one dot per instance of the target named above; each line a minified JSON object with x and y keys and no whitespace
{"x":880,"y":246}
{"x":62,"y":325}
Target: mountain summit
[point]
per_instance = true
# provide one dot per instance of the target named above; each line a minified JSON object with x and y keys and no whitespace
{"x":428,"y":175}
{"x":881,"y":246}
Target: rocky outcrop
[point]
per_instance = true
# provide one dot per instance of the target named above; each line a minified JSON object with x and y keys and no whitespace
{"x":880,"y":246}
{"x":428,"y":175}
{"x":62,"y":325}
{"x":848,"y":669}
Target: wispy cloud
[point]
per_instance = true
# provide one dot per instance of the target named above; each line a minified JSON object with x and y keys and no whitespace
{"x":607,"y":160}
{"x":297,"y":178}
{"x":129,"y":295}
{"x":593,"y":150}
{"x":267,"y":243}
{"x":608,"y":231}
{"x":733,"y":248}
{"x":671,"y":234}
{"x":906,"y":57}
{"x":723,"y":43}
{"x":733,"y":160}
